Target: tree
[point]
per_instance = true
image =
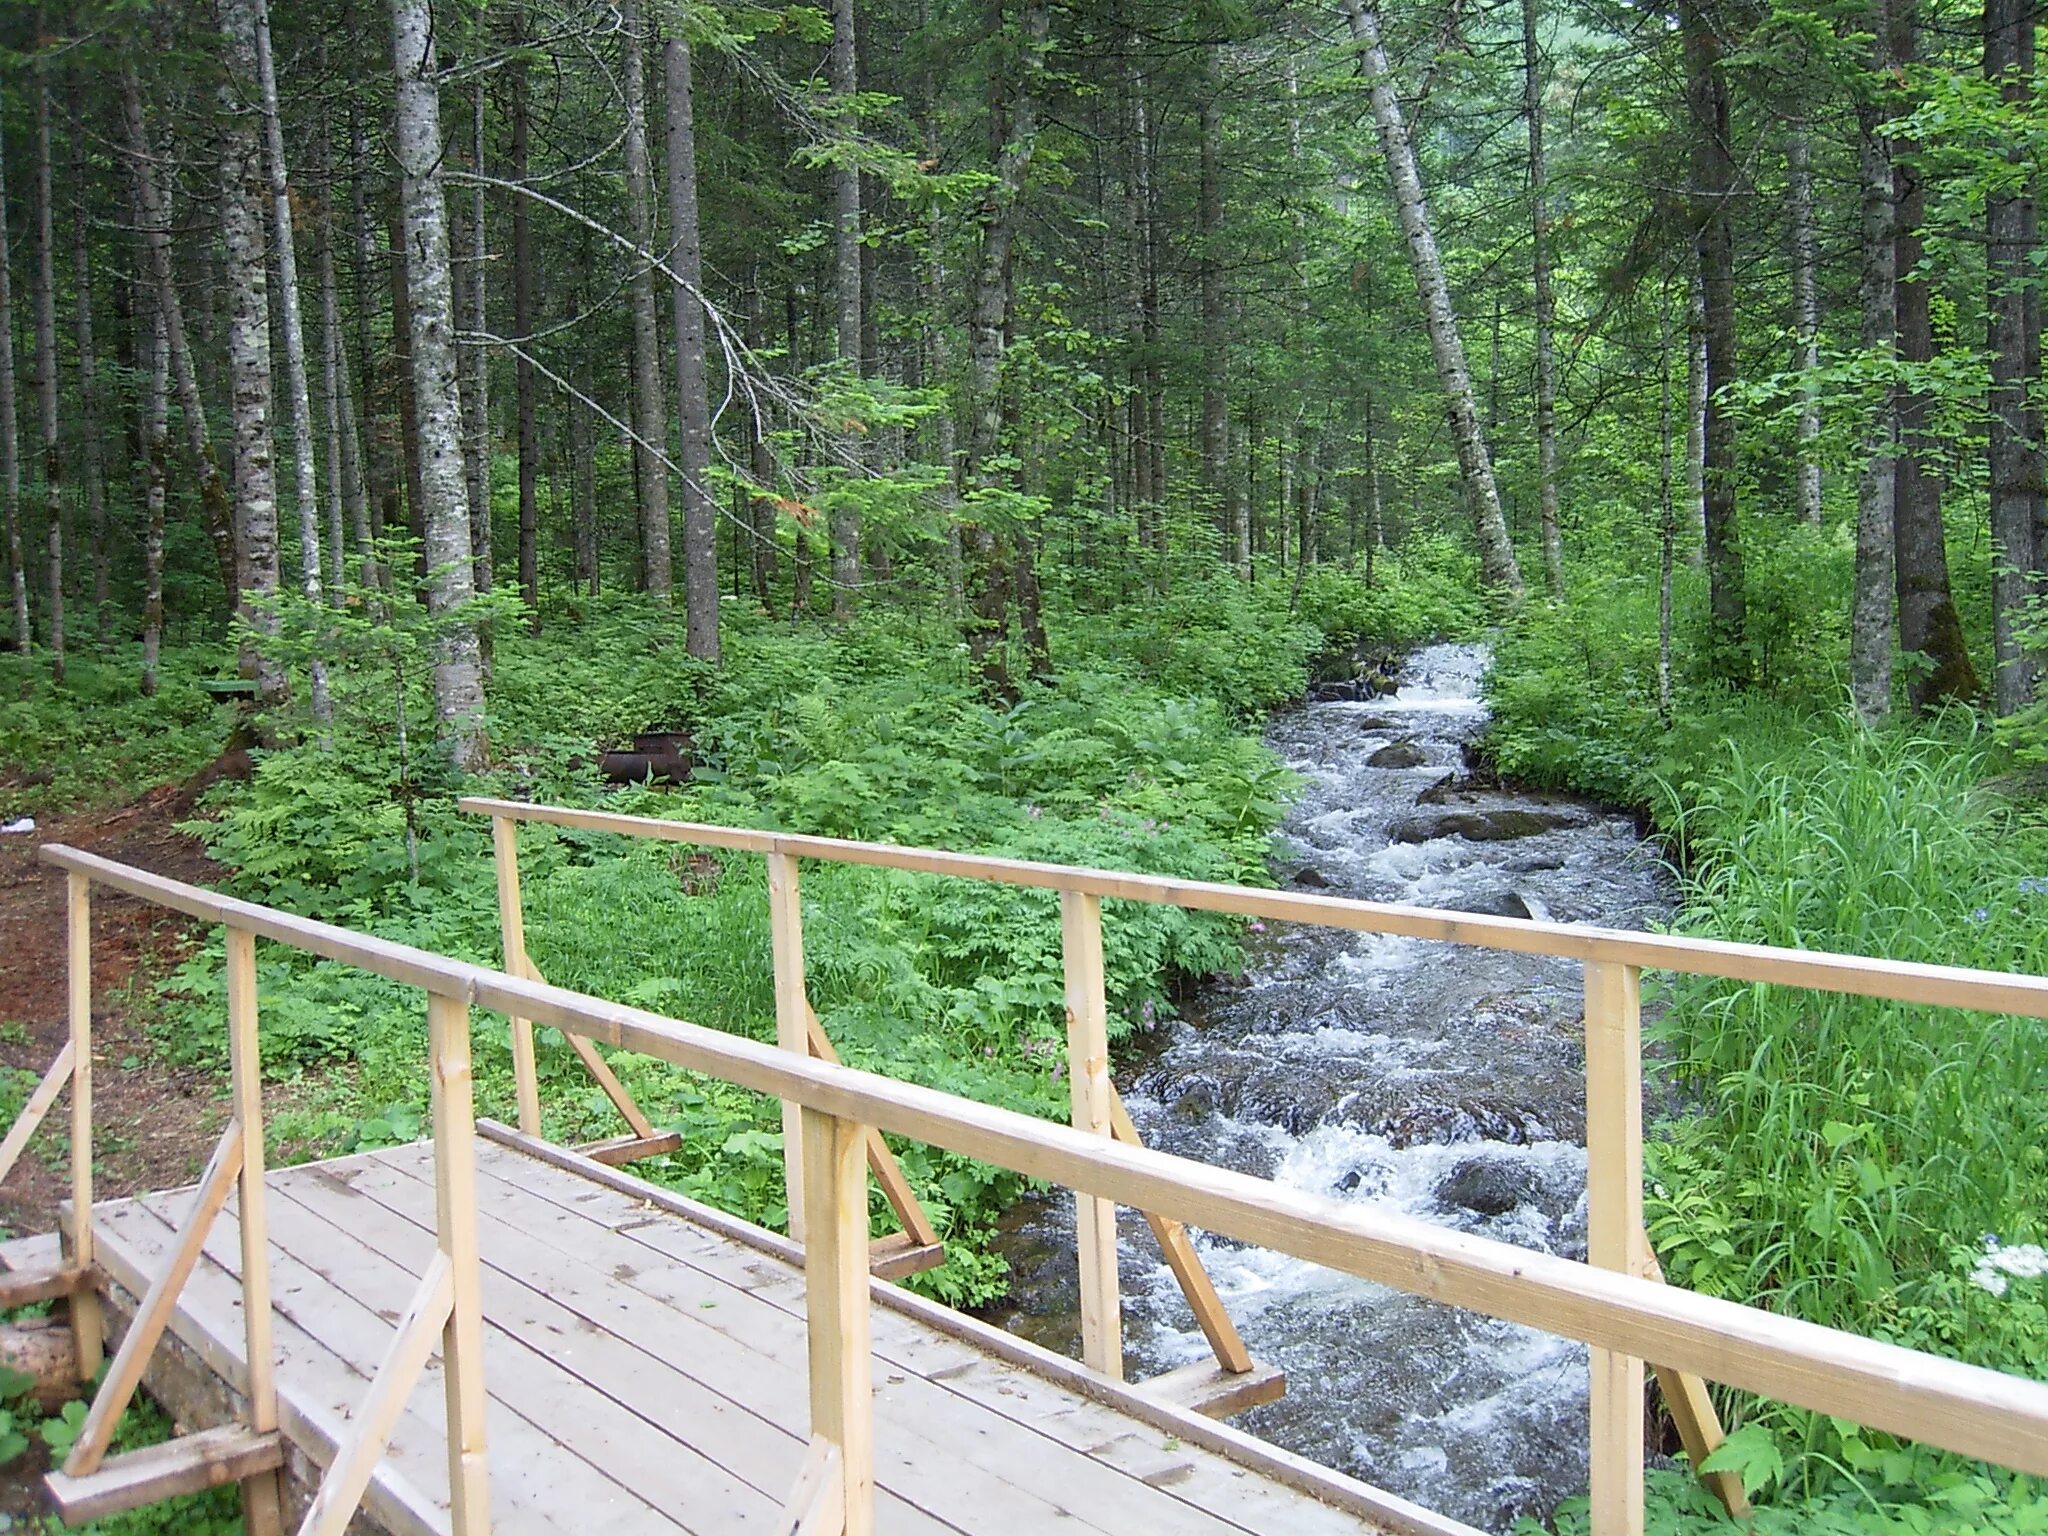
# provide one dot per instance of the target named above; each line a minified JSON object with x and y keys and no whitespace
{"x":650,"y":412}
{"x":46,"y":376}
{"x":1497,"y":564}
{"x":846,"y":247}
{"x":1871,"y":628}
{"x":1546,"y":308}
{"x":416,"y":138}
{"x":10,"y":440}
{"x":1805,"y":316}
{"x":248,"y":23}
{"x":693,"y":404}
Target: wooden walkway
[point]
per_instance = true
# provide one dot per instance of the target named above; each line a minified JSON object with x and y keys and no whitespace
{"x":648,"y":1375}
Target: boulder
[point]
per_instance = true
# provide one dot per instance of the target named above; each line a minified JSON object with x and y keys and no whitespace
{"x":1399,"y":754}
{"x":1475,"y":826}
{"x":1487,"y":1186}
{"x":1494,"y":904}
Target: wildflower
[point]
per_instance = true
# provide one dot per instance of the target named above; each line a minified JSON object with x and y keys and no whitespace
{"x":1033,"y":812}
{"x":1998,"y":1267}
{"x":1981,"y":915}
{"x":2033,"y":885}
{"x":1256,"y":926}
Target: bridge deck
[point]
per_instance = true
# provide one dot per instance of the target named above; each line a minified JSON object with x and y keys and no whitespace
{"x":647,"y":1375}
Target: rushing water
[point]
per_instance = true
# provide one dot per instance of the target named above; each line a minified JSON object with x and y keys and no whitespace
{"x":1443,"y":1082}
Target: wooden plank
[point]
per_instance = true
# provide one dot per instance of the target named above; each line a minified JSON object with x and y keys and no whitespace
{"x":817,"y":1504}
{"x":619,"y":1150}
{"x":899,"y":1254}
{"x":609,"y":1339}
{"x":1089,"y":1093}
{"x":462,"y":1340}
{"x":1208,"y":1387}
{"x":46,"y":1282}
{"x":348,"y":1475}
{"x":1904,"y":981}
{"x":910,"y":1212}
{"x":836,"y":1306}
{"x":38,"y":1105}
{"x":792,"y":1015}
{"x":1692,"y":1410}
{"x":512,"y":931}
{"x":87,"y":1326}
{"x":339,"y":1296}
{"x":1224,"y":1340}
{"x":209,"y":1458}
{"x":320,"y":1391}
{"x":125,"y":1374}
{"x":1969,"y":1410}
{"x":760,"y":1309}
{"x":1614,"y":1226}
{"x":262,"y":1512}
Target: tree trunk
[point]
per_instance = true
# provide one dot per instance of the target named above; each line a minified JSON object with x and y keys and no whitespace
{"x":379,"y":484}
{"x":760,"y":461}
{"x":1497,"y":567}
{"x":1805,"y":318}
{"x":250,"y":19}
{"x":1928,"y":624}
{"x":46,"y":374}
{"x":650,"y":410}
{"x":1696,"y":409}
{"x":1546,"y":307}
{"x":153,"y":216}
{"x":989,"y":571}
{"x":458,"y":676}
{"x":1215,"y":351}
{"x":347,"y":506}
{"x":157,"y":435}
{"x":693,"y":402}
{"x":1713,"y":179}
{"x":411,"y":451}
{"x":522,"y":323}
{"x":2013,"y":338}
{"x":1667,"y":542}
{"x":582,"y":464}
{"x":473,"y":363}
{"x":846,"y":240}
{"x":10,"y":437}
{"x":92,"y":451}
{"x":1871,"y":629}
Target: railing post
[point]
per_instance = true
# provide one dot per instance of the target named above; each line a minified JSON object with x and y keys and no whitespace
{"x":792,"y":1018}
{"x":835,"y":1181}
{"x":455,"y":1222}
{"x":512,"y":929}
{"x":1614,"y":1201}
{"x":87,"y":1326}
{"x":261,"y":1512}
{"x":1091,"y":1094}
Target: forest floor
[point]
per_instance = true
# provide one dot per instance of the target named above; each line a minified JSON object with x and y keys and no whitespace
{"x":154,"y":1123}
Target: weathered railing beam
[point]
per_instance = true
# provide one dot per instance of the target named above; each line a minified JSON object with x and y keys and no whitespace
{"x":792,"y":1019}
{"x":455,"y":1223}
{"x":512,"y":934}
{"x":1614,"y":1206}
{"x":262,"y":1512}
{"x":1090,"y":1094}
{"x":88,"y":1327}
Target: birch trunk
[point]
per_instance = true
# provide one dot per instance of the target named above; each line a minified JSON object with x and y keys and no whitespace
{"x":1870,"y":621}
{"x":990,"y":571}
{"x":1546,"y":307}
{"x":157,"y":434}
{"x":1713,"y":181}
{"x":2013,"y":338}
{"x":650,"y":410}
{"x":1928,"y":622}
{"x":153,"y":215}
{"x":10,"y":432}
{"x":458,"y":675}
{"x":473,"y":362}
{"x":253,"y":17}
{"x":347,"y":506}
{"x":846,"y":238}
{"x":92,"y":450}
{"x":760,"y":461}
{"x":693,"y":402}
{"x":1805,"y":318}
{"x":46,"y":375}
{"x":1497,"y":566}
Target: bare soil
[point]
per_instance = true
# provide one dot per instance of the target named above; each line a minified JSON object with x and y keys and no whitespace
{"x":154,"y":1124}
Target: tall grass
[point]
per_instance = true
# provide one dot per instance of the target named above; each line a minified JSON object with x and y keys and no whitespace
{"x":1851,"y":1158}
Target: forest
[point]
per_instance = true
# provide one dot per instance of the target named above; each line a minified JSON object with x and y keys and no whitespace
{"x":971,"y":425}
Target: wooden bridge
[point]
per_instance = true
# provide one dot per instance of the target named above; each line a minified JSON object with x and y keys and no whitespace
{"x":613,"y":1357}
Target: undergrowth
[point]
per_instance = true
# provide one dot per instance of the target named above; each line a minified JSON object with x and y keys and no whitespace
{"x":1869,"y":1165}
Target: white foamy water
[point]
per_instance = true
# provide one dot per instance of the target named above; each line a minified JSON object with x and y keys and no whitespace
{"x":1442,"y":1083}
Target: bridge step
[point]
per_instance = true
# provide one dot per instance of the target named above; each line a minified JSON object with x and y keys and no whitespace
{"x":188,"y":1464}
{"x":630,"y":1149}
{"x":1206,"y":1388}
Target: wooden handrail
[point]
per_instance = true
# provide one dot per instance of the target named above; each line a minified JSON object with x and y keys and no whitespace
{"x":1962,"y":1408}
{"x":1947,"y":986}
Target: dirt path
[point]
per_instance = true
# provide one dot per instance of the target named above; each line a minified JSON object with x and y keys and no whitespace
{"x":153,"y":1124}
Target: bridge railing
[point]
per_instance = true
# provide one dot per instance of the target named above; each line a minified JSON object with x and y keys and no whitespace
{"x":1624,"y":1317}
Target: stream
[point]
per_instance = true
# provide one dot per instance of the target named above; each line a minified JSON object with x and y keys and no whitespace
{"x":1445,"y":1083}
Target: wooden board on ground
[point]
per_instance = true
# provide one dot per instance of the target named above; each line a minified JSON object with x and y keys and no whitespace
{"x":650,"y":1374}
